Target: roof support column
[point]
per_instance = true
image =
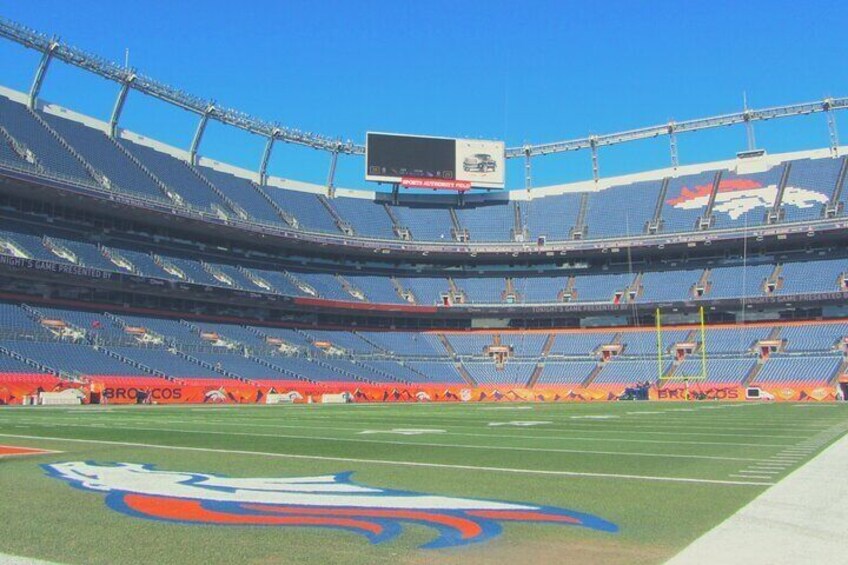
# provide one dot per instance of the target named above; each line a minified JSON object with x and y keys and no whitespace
{"x":40,"y":73}
{"x":528,"y":171}
{"x":331,"y":176}
{"x":119,"y":105}
{"x":831,"y":128}
{"x":266,"y":156}
{"x":593,"y":143}
{"x":198,"y":134}
{"x":672,"y":141}
{"x":749,"y":127}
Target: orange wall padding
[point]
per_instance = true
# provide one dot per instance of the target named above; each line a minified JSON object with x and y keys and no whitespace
{"x":125,"y":390}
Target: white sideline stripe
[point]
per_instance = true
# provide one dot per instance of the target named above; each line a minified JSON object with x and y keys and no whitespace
{"x":6,"y":559}
{"x":518,"y":436}
{"x":801,"y":519}
{"x":422,"y":444}
{"x":398,"y":463}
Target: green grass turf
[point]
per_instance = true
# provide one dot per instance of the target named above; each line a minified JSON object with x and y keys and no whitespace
{"x":571,"y":460}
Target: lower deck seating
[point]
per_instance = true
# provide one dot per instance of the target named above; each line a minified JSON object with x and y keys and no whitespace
{"x":109,"y":344}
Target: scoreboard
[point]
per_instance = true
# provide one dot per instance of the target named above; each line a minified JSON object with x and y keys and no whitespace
{"x":434,"y":162}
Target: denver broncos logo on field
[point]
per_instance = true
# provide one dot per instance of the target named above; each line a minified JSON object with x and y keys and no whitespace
{"x":738,"y":196}
{"x":324,"y":501}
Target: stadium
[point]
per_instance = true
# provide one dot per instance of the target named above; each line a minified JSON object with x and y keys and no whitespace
{"x":606,"y":368}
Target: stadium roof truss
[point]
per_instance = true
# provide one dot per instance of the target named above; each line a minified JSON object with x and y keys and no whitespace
{"x":51,"y":47}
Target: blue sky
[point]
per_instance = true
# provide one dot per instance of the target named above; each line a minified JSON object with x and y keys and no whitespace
{"x":534,"y":71}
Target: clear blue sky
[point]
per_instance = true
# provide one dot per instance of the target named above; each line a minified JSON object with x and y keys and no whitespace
{"x":534,"y":71}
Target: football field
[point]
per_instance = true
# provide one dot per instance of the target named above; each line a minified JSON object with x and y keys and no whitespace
{"x":596,"y":483}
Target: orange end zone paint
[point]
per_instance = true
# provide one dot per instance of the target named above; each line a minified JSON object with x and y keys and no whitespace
{"x":12,"y":451}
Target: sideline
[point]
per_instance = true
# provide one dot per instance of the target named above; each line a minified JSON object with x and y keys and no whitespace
{"x":799,"y":520}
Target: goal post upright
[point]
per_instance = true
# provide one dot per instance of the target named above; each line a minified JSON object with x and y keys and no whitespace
{"x":659,"y":346}
{"x":703,"y":346}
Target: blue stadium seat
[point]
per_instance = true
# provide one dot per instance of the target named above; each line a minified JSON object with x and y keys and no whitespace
{"x":580,"y":344}
{"x":377,"y":288}
{"x":535,"y":290}
{"x":626,"y":371}
{"x":565,"y":372}
{"x":735,"y":282}
{"x":242,"y":192}
{"x":725,"y":371}
{"x":660,"y":286}
{"x":810,"y":181}
{"x":622,"y":210}
{"x":20,"y":123}
{"x":812,"y":276}
{"x":601,"y":288}
{"x":493,"y":222}
{"x":552,"y":216}
{"x":482,"y":290}
{"x":367,"y":217}
{"x":311,"y":214}
{"x":177,"y":175}
{"x":513,"y":373}
{"x":105,"y":156}
{"x":425,"y":224}
{"x":808,"y":369}
{"x":686,"y":201}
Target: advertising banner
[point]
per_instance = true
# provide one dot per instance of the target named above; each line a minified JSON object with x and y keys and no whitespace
{"x":15,"y":389}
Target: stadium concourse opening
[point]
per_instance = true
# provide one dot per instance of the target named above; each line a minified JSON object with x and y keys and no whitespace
{"x":471,"y":366}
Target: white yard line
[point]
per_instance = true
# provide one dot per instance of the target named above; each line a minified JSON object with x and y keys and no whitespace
{"x":399,"y":463}
{"x":685,"y":427}
{"x":518,"y":436}
{"x":799,"y":520}
{"x":428,"y":444}
{"x":582,"y":426}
